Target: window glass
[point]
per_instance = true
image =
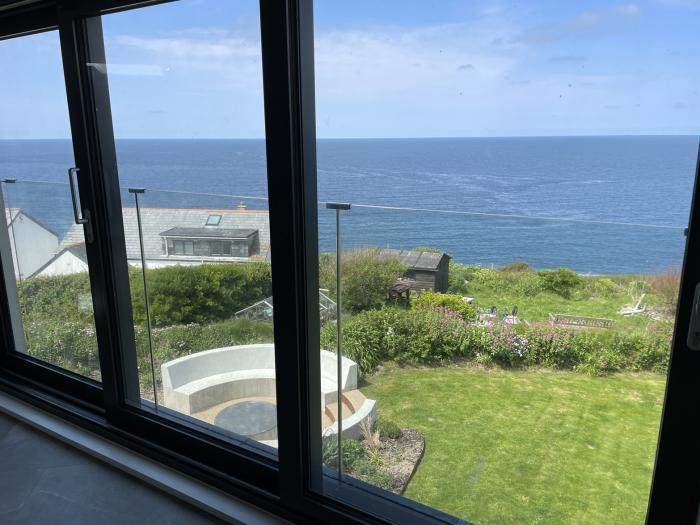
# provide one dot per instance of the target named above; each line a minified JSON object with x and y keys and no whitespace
{"x":519,"y":178}
{"x":50,"y":294}
{"x":185,"y":85}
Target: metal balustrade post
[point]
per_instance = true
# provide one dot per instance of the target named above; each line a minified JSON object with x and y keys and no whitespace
{"x":136,"y":192}
{"x":338,"y":247}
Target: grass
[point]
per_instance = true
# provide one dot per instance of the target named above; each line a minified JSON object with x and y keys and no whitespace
{"x":520,"y":447}
{"x":505,"y":289}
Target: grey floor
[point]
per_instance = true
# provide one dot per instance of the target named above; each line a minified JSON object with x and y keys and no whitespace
{"x":44,"y":481}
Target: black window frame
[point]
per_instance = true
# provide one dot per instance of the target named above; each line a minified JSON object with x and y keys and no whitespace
{"x":293,"y":485}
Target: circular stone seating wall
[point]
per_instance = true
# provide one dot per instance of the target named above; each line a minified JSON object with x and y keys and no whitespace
{"x":198,"y":381}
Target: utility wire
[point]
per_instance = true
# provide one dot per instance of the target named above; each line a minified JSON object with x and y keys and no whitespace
{"x":436,"y":210}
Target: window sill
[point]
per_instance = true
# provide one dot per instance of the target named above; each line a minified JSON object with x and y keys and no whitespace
{"x":202,"y":496}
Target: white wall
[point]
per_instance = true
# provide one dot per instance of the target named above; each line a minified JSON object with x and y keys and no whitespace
{"x":64,"y":264}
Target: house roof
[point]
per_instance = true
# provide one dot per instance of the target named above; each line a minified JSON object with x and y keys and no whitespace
{"x":11,"y":215}
{"x":156,"y":221}
{"x":78,"y":250}
{"x":415,"y":260}
{"x":208,"y":232}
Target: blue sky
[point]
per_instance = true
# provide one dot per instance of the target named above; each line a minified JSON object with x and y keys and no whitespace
{"x":385,"y":69}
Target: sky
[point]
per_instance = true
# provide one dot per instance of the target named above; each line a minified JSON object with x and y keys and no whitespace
{"x":390,"y":68}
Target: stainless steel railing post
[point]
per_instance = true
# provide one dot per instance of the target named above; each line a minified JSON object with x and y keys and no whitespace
{"x":338,"y":248}
{"x":136,"y":192}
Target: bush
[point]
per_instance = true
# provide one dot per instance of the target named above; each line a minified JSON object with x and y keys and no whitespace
{"x":439,"y":335}
{"x":199,"y":294}
{"x":65,"y":297}
{"x":365,"y":277}
{"x":429,"y":300}
{"x":388,"y":429}
{"x":604,"y":287}
{"x":460,"y":276}
{"x":355,"y":456}
{"x":561,"y":281}
{"x":666,"y":285}
{"x":517,"y":266}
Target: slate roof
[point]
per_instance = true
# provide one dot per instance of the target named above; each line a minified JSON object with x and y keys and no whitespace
{"x":156,"y":221}
{"x":12,"y":213}
{"x":208,"y":232}
{"x":415,"y":260}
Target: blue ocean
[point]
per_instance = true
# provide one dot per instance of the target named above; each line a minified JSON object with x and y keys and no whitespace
{"x":594,"y":204}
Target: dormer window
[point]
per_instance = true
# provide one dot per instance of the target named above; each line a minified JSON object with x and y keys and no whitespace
{"x":213,"y":220}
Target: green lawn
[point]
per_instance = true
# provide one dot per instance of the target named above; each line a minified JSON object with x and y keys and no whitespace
{"x":537,"y":307}
{"x":527,"y":446}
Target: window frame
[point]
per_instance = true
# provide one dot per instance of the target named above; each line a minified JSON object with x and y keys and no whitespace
{"x":293,"y":485}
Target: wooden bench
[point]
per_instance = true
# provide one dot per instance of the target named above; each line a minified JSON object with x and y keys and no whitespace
{"x":578,"y":321}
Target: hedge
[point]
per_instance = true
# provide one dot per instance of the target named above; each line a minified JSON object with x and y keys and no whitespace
{"x":365,"y":277}
{"x":439,"y":335}
{"x":178,"y":294}
{"x":73,"y":347}
{"x":199,"y":294}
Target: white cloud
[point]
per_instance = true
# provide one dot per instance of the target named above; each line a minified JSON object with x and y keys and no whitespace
{"x":212,"y":48}
{"x":630,"y":10}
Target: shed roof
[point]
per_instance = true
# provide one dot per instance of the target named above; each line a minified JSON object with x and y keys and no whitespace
{"x":415,"y":260}
{"x":208,"y":232}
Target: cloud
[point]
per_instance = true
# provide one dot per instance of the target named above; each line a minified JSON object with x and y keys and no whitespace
{"x":211,"y":48}
{"x":630,"y":10}
{"x":586,"y":24}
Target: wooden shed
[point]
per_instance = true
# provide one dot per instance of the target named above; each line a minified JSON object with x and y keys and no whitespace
{"x":429,"y":270}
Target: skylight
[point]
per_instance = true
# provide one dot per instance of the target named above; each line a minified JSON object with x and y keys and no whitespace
{"x":213,"y":220}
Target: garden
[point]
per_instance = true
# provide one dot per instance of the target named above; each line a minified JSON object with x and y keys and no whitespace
{"x":520,"y":422}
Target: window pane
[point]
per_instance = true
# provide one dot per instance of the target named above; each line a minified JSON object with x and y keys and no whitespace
{"x":185,"y":84}
{"x":520,"y":180}
{"x":51,"y":296}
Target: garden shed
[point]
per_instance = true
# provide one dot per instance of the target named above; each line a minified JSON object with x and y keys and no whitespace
{"x":429,"y":270}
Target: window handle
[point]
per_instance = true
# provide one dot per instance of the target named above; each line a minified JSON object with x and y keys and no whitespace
{"x":694,"y":328}
{"x":80,"y":218}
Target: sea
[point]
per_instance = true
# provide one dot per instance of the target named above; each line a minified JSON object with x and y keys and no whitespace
{"x":598,"y":205}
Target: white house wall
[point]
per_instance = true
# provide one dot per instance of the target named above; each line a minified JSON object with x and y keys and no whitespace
{"x":64,"y":264}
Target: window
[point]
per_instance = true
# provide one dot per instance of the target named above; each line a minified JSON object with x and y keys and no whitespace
{"x":221,"y":376}
{"x":494,"y":305}
{"x":183,"y":247}
{"x":495,"y":272}
{"x":53,"y":322}
{"x":213,"y":220}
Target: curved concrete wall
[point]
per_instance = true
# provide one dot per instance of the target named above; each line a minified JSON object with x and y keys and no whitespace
{"x":197,"y":381}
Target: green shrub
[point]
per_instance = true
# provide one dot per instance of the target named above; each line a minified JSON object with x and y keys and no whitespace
{"x":429,"y":249}
{"x":460,"y":276}
{"x":561,"y":281}
{"x":519,"y":283}
{"x":199,"y":294}
{"x":355,"y":456}
{"x":388,"y":429}
{"x":65,"y":297}
{"x":604,"y":287}
{"x":517,"y":266}
{"x":429,"y":300}
{"x":365,"y":277}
